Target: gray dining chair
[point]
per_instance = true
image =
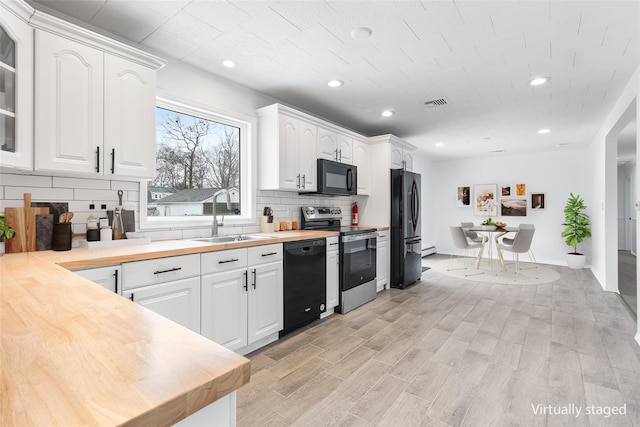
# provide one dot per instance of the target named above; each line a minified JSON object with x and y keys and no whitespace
{"x":460,"y":241}
{"x":521,"y":244}
{"x":509,"y":241}
{"x":472,"y":235}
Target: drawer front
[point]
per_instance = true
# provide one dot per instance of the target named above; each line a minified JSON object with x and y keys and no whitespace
{"x":265,"y":254}
{"x":333,"y":243}
{"x":160,"y":270}
{"x":219,"y":261}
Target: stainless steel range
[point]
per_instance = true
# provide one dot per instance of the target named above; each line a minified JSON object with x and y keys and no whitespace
{"x":357,"y":255}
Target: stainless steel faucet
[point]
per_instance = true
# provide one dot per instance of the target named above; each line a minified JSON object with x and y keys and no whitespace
{"x":214,"y":224}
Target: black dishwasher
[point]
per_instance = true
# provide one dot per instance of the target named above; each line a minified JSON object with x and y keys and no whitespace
{"x":305,"y":276}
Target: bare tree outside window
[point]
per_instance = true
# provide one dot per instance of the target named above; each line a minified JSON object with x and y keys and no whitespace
{"x":195,"y":158}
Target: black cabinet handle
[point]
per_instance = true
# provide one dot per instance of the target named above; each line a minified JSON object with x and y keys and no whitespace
{"x":167,"y":271}
{"x":340,"y":156}
{"x":227,"y":260}
{"x":270,"y":253}
{"x":331,"y":244}
{"x":336,"y":156}
{"x":254,"y":278}
{"x":298,"y":181}
{"x":98,"y":159}
{"x":113,"y":160}
{"x":246,"y":281}
{"x":115,"y":279}
{"x":131,"y":297}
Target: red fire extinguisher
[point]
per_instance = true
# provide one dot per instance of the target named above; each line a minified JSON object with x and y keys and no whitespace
{"x":354,"y":214}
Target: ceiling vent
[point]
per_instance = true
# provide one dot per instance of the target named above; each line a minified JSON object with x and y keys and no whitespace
{"x":436,"y":103}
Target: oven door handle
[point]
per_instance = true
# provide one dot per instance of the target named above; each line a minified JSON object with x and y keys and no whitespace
{"x":358,"y":237}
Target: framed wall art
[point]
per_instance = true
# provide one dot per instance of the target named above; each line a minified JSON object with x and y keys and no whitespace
{"x":506,"y":190}
{"x":521,"y":189}
{"x":485,"y":199}
{"x":538,"y":201}
{"x":513,"y":207}
{"x":464,"y":197}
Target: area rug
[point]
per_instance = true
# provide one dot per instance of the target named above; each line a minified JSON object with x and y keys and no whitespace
{"x":526,"y":276}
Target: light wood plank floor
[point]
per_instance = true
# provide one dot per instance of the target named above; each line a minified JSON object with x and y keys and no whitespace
{"x":449,"y":352}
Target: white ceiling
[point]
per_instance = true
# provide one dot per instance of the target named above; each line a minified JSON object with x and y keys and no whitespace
{"x":478,"y":55}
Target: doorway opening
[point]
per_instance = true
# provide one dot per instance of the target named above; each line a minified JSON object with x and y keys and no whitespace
{"x":627,"y":224}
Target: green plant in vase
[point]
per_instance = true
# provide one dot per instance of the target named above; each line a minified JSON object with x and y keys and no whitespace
{"x":6,"y":232}
{"x":576,"y":229}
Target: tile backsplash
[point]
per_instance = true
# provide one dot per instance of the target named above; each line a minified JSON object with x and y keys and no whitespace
{"x":81,"y":192}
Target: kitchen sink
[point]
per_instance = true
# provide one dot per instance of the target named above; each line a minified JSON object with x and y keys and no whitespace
{"x":219,"y":240}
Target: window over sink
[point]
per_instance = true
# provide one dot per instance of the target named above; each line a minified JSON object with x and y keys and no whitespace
{"x":198,"y":153}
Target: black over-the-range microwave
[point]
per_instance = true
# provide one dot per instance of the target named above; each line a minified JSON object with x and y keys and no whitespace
{"x":337,"y":179}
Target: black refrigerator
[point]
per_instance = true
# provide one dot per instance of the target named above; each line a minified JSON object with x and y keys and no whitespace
{"x":406,"y":248}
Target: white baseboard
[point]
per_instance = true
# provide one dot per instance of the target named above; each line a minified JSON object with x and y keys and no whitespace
{"x":428,"y":251}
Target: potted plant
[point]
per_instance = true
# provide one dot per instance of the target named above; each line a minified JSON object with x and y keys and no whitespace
{"x":576,"y":229}
{"x":6,"y":232}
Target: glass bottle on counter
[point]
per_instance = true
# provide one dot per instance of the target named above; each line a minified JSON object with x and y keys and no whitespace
{"x":117,"y":227}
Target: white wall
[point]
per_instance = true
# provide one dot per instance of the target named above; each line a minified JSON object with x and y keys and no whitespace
{"x":603,"y":165}
{"x":556,"y":173}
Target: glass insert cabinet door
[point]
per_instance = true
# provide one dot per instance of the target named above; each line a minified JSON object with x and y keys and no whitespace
{"x":7,"y":92}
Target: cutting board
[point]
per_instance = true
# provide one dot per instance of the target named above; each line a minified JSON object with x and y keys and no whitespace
{"x":30,"y":221}
{"x":15,"y":220}
{"x":55,"y":208}
{"x":23,"y":221}
{"x":44,"y":231}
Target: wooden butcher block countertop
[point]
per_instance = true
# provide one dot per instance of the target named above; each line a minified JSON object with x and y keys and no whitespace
{"x":74,"y":353}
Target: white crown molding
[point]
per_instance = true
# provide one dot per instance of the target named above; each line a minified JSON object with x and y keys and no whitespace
{"x":19,"y":8}
{"x":392,"y":139}
{"x":43,"y":21}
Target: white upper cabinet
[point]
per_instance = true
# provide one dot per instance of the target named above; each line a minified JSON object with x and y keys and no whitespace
{"x":129,"y":118}
{"x":16,"y":87}
{"x":327,"y":144}
{"x":334,"y":146}
{"x":287,"y":151}
{"x":69,"y":105}
{"x":290,"y":143}
{"x":400,"y":157}
{"x":362,"y":159}
{"x":94,"y":103}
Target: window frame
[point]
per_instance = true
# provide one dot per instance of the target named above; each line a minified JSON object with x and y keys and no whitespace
{"x":247,"y":167}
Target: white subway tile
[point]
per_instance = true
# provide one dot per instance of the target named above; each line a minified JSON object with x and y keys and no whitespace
{"x":39,"y":194}
{"x":194,"y":233}
{"x":251,"y":229}
{"x":1,"y":192}
{"x":164,"y":235}
{"x":25,"y":180}
{"x":125,"y":185}
{"x":132,"y":196}
{"x":96,"y":184}
{"x":99,"y":196}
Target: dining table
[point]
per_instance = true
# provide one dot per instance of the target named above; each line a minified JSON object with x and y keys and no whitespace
{"x":493,"y":234}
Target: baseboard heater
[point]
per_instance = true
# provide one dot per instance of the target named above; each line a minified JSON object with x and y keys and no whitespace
{"x":428,"y":251}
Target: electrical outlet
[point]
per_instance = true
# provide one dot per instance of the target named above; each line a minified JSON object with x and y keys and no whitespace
{"x":92,"y":206}
{"x":103,"y":206}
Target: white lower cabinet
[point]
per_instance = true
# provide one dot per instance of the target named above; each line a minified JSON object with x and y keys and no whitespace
{"x":107,"y":277}
{"x":382,"y":259}
{"x":167,"y":286}
{"x":242,"y":296}
{"x":333,"y":275}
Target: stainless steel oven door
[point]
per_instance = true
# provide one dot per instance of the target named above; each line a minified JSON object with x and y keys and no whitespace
{"x":357,"y":260}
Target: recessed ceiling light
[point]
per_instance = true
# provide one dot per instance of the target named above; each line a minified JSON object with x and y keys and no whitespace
{"x":361,"y":33}
{"x":229,"y":63}
{"x":439,"y":144}
{"x":538,"y":81}
{"x":543,"y":131}
{"x":387,"y":113}
{"x":335,"y":83}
